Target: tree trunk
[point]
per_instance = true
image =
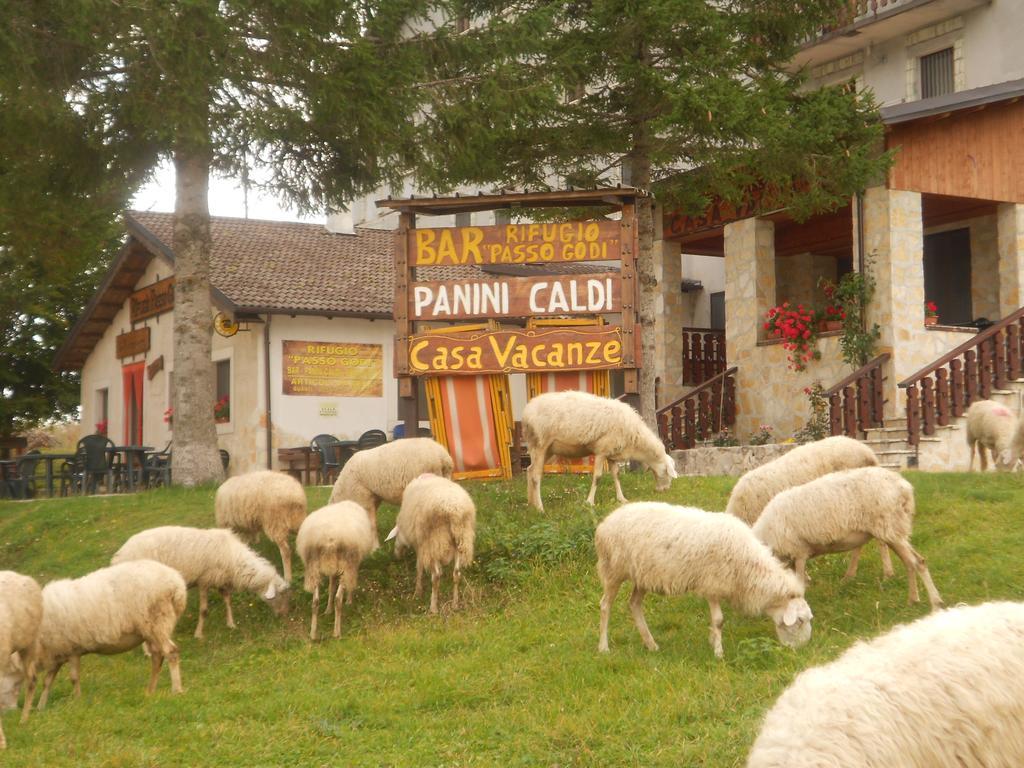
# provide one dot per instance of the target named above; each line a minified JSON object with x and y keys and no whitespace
{"x":195,"y":458}
{"x":640,"y":166}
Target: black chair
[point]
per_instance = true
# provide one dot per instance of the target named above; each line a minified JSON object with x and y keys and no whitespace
{"x":326,"y":446}
{"x":94,"y":460}
{"x":225,"y":459}
{"x":157,"y":469}
{"x":371,"y":438}
{"x":23,"y":484}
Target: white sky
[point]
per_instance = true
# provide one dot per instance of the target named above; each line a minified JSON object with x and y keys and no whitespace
{"x":226,"y":199}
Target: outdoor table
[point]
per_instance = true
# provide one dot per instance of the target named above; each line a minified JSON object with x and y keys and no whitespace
{"x":296,"y":461}
{"x":48,"y":459}
{"x":134,"y":455}
{"x":345,"y":450}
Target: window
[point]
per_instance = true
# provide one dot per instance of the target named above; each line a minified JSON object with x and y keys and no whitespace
{"x":463,"y":219}
{"x":718,"y":310}
{"x":102,"y":410}
{"x":937,"y":75}
{"x":222,"y":406}
{"x":947,"y":275}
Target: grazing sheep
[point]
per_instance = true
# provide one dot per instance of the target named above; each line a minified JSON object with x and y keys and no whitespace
{"x":575,"y":424}
{"x":674,"y":550}
{"x":332,"y":542}
{"x":109,"y":611}
{"x":381,"y":473}
{"x":271,"y":502}
{"x":842,"y":511}
{"x":21,"y":611}
{"x":993,"y":426}
{"x":438,"y":520}
{"x":942,"y":692}
{"x":209,"y":558}
{"x":801,"y":465}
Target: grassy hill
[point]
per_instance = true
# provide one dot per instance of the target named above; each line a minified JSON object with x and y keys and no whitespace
{"x":512,"y":679}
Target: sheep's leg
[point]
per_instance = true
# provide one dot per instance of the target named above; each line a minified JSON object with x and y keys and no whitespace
{"x":456,"y":578}
{"x":435,"y":586}
{"x":972,"y":446}
{"x":916,"y":566}
{"x":618,"y":486}
{"x":316,"y":608}
{"x":170,"y":650}
{"x":533,"y":477}
{"x":982,"y":457}
{"x":204,"y":611}
{"x":883,"y":551}
{"x":331,"y":580}
{"x":372,"y":512}
{"x":636,"y":607}
{"x":717,"y":620}
{"x":286,"y":558}
{"x":595,"y":476}
{"x":611,"y":589}
{"x":46,"y":685}
{"x":338,"y":600}
{"x":226,"y":594}
{"x":800,"y":565}
{"x":156,"y":659}
{"x":29,"y":685}
{"x":851,"y":570}
{"x":418,"y":591}
{"x":74,"y":670}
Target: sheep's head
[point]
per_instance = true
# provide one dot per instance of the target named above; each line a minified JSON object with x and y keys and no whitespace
{"x":278,"y":596}
{"x":400,"y":543}
{"x":664,"y":473}
{"x":792,"y":622}
{"x":10,"y":684}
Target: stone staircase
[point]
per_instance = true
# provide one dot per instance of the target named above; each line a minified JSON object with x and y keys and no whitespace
{"x":945,"y":451}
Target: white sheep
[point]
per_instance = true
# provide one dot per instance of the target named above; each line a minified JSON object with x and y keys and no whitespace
{"x":209,"y":558}
{"x":942,"y":692}
{"x":438,"y":520}
{"x":21,"y":611}
{"x":271,"y":502}
{"x":993,"y":426}
{"x":801,"y":465}
{"x":673,"y":550}
{"x":108,"y":611}
{"x":842,"y":511}
{"x":381,"y":473}
{"x":332,"y":542}
{"x":575,"y":424}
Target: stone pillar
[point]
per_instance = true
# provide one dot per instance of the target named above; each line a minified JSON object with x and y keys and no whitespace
{"x":894,"y":251}
{"x":749,"y":293}
{"x":985,"y":268}
{"x":668,"y":319}
{"x":1010,"y":237}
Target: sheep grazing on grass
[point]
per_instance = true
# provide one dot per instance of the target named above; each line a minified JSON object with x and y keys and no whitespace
{"x":942,"y":692}
{"x":993,"y":426}
{"x":673,"y":550}
{"x":211,"y":558}
{"x":381,"y":473}
{"x":109,"y":611}
{"x":21,"y":611}
{"x":438,"y":520}
{"x":575,"y":424}
{"x":332,"y":542}
{"x":271,"y":502}
{"x":842,"y":511}
{"x":801,"y":465}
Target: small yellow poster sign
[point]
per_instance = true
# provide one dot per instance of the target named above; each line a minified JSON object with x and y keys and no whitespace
{"x":333,"y":369}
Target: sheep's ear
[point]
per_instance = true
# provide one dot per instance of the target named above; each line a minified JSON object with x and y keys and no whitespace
{"x":790,"y":616}
{"x":271,"y":592}
{"x":394,"y":532}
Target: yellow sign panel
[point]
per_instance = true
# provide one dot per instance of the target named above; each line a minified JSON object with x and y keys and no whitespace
{"x":333,"y":369}
{"x":517,"y":243}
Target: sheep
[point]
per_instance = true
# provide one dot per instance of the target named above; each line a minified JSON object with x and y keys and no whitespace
{"x":438,"y":520}
{"x":21,"y":612}
{"x":574,"y":424}
{"x":842,"y":511}
{"x":271,"y":502}
{"x":993,"y":426}
{"x":209,"y":558}
{"x":332,"y":542}
{"x":381,"y":473}
{"x":942,"y":692}
{"x":674,"y":550}
{"x":801,"y":465}
{"x":109,"y":611}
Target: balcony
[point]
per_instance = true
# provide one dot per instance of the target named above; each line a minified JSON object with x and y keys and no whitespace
{"x":870,"y":22}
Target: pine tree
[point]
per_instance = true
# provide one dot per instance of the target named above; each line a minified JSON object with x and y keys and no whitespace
{"x":688,"y":98}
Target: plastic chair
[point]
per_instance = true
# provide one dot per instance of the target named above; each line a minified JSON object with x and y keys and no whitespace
{"x":371,"y":438}
{"x":329,"y":464}
{"x":157,"y":470}
{"x":225,"y":459}
{"x":23,"y":484}
{"x":93,"y":460}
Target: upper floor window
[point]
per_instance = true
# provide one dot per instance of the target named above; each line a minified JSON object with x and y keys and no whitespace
{"x":937,"y":73}
{"x":222,"y":407}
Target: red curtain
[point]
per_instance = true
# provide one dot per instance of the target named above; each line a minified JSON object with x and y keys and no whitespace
{"x":131,"y":377}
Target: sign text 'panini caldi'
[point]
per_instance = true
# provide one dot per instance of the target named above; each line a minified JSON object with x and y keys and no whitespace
{"x":568,"y":241}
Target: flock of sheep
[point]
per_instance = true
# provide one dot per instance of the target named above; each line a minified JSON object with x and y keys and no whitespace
{"x":932,"y":693}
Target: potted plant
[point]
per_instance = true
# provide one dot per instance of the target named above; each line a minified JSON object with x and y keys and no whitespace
{"x":101,"y":427}
{"x":833,"y":314}
{"x":852,"y":295}
{"x":169,"y":417}
{"x":222,"y":410}
{"x":798,"y":329}
{"x":931,"y":313}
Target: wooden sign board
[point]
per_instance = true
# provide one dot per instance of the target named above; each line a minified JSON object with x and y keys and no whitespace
{"x":568,"y":241}
{"x":517,"y":351}
{"x":332,"y":369}
{"x":152,"y":300}
{"x":517,"y":297}
{"x":155,"y":367}
{"x":132,"y":343}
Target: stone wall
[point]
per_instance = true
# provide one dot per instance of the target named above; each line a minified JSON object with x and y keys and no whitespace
{"x":727,"y":461}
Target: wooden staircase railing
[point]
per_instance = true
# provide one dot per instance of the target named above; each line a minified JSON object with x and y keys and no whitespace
{"x":703,"y":355}
{"x":701,"y":413}
{"x":947,"y":387}
{"x":856,"y":403}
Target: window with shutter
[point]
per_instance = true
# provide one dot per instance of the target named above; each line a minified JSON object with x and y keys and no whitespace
{"x":937,"y":76}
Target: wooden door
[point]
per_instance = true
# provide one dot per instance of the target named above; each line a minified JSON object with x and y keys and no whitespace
{"x":132,"y":378}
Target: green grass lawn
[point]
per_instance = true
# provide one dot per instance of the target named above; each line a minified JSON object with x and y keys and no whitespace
{"x":513,"y":678}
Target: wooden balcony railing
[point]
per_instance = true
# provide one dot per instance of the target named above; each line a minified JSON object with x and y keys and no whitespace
{"x":947,"y":387}
{"x":703,"y":355}
{"x":856,"y":403}
{"x":701,"y":413}
{"x":855,"y":11}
